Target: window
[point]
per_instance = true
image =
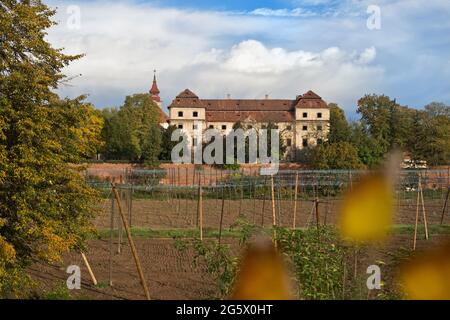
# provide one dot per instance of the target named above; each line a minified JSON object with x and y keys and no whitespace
{"x":180,"y":114}
{"x":319,"y":141}
{"x":180,"y":126}
{"x":305,"y":115}
{"x":319,"y":128}
{"x":305,"y":142}
{"x":224,"y":127}
{"x":289,"y":142}
{"x":211,"y":126}
{"x":195,"y":126}
{"x":319,"y":115}
{"x":289,"y":128}
{"x":305,"y":128}
{"x":195,"y":114}
{"x":275,"y":127}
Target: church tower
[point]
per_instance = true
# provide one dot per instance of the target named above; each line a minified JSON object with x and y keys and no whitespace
{"x":154,"y":91}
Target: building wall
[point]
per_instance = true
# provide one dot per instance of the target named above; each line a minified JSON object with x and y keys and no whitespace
{"x":292,"y":132}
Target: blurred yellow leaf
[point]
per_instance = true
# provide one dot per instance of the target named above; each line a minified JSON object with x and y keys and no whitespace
{"x":367,"y":210}
{"x":427,"y":277}
{"x":262,"y":275}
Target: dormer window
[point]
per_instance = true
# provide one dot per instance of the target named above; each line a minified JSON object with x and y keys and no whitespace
{"x":195,"y":114}
{"x":305,"y":115}
{"x":319,"y":115}
{"x":180,"y":114}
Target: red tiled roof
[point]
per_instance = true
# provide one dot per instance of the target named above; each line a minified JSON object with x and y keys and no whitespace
{"x":259,"y":110}
{"x":257,"y":116}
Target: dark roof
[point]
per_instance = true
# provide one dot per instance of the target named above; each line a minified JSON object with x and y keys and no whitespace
{"x":259,"y":110}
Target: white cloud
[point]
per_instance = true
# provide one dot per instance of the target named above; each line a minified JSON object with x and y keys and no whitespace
{"x":367,"y":56}
{"x":213,"y":54}
{"x":297,"y":12}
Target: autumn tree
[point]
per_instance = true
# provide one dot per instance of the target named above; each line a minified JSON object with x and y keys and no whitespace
{"x":45,"y":204}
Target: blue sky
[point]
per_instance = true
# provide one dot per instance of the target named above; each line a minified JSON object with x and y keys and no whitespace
{"x":252,"y":48}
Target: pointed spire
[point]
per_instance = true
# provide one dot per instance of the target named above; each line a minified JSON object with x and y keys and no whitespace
{"x":154,"y":91}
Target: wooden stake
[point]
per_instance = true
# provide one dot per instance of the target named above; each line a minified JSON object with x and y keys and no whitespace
{"x":130,"y":240}
{"x":111,"y":241}
{"x":200,"y":207}
{"x":201,"y":213}
{"x":445,"y":205}
{"x":86,"y":262}
{"x":417,"y":221}
{"x":423,"y":212}
{"x":274,"y":218}
{"x":264,"y":203}
{"x":295,"y":202}
{"x":316,"y":202}
{"x":221,"y":216}
{"x":119,"y":244}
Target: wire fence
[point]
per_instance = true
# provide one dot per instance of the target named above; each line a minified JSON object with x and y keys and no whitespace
{"x":183,"y":198}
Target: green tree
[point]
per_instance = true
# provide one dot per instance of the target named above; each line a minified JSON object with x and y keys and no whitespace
{"x":369,"y":151}
{"x":45,"y":204}
{"x":167,"y":144}
{"x":339,"y":155}
{"x":151,"y":146}
{"x":133,"y":132}
{"x":437,"y":124}
{"x":339,"y":127}
{"x":385,"y":121}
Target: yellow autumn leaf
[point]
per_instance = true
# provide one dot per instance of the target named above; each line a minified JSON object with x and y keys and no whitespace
{"x":427,"y":277}
{"x":367,"y":211}
{"x":262,"y":275}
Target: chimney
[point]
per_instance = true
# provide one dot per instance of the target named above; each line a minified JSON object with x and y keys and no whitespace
{"x":228,"y":96}
{"x":267,"y":96}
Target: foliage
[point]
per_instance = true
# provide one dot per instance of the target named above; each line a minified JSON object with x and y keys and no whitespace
{"x":219,"y":261}
{"x":167,"y":144}
{"x":318,"y":260}
{"x":340,"y":130}
{"x":384,"y":125}
{"x":339,"y":155}
{"x":133,"y":132}
{"x":45,"y":205}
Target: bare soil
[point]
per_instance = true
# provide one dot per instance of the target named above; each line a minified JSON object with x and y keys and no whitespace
{"x":170,"y":273}
{"x":182,"y":213}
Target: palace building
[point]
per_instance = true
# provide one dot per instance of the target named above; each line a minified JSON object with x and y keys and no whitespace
{"x":302,"y":122}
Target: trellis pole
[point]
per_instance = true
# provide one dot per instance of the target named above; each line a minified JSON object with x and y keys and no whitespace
{"x":295,"y":202}
{"x":423,"y":210}
{"x":274,"y":218}
{"x":111,"y":237}
{"x":445,"y":205}
{"x":88,"y":266}
{"x":131,"y":242}
{"x":221,"y":216}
